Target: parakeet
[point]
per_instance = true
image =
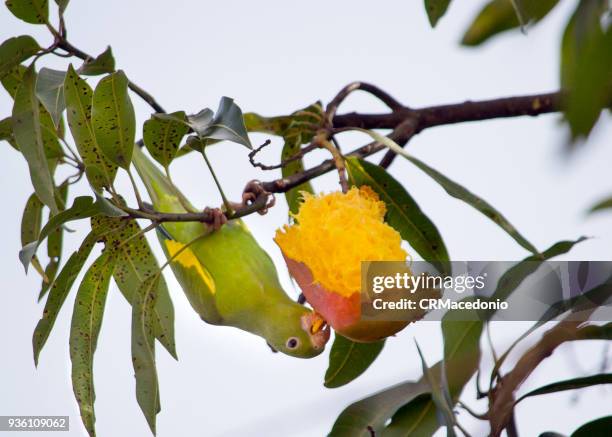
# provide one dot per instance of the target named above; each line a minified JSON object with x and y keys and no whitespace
{"x":227,"y":277}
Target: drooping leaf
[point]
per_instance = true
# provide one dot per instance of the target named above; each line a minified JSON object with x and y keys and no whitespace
{"x":99,"y":170}
{"x":227,"y":124}
{"x":461,"y":358}
{"x":31,"y":221}
{"x":6,"y":132}
{"x":28,"y":135}
{"x":86,"y":322}
{"x":14,"y":51}
{"x":143,"y":349}
{"x":58,"y":293}
{"x":113,"y":119}
{"x":586,"y":67}
{"x":82,"y":207}
{"x":515,"y":275}
{"x":30,"y":11}
{"x":455,"y":190}
{"x":50,"y":91}
{"x":595,"y":428}
{"x":102,"y":64}
{"x":500,"y":15}
{"x":403,"y":213}
{"x":301,"y":130}
{"x":348,"y":360}
{"x":444,"y":409}
{"x":162,"y":135}
{"x":370,"y":414}
{"x":435,"y":10}
{"x":569,"y":384}
{"x":604,"y":204}
{"x":50,"y":274}
{"x":135,"y":264}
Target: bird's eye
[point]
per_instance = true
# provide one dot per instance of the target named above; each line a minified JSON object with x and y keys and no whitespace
{"x":293,"y":343}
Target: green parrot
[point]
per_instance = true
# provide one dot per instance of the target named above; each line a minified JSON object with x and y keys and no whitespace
{"x":227,"y":277}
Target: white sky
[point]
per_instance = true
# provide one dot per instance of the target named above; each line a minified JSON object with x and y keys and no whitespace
{"x":274,"y":57}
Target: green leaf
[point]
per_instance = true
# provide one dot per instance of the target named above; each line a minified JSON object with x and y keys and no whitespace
{"x":604,"y":204}
{"x":6,"y":132}
{"x":31,"y":220}
{"x":515,"y":275}
{"x":50,"y":91}
{"x":569,"y":384}
{"x":444,"y":409}
{"x":30,"y":11}
{"x":455,"y":190}
{"x":101,"y":64}
{"x":227,"y":124}
{"x":596,"y":428}
{"x":82,"y":207}
{"x":500,"y":15}
{"x":267,"y":125}
{"x":586,"y":67}
{"x":28,"y":135}
{"x":373,"y":412}
{"x":113,"y":119}
{"x":348,"y":360}
{"x":135,"y":264}
{"x":461,"y":358}
{"x":54,"y":244}
{"x":58,"y":293}
{"x":99,"y":170}
{"x":143,"y":349}
{"x":435,"y":10}
{"x":84,"y":330}
{"x":14,"y":51}
{"x":403,"y":213}
{"x":162,"y":134}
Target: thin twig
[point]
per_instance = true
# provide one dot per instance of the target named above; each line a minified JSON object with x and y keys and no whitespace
{"x":299,"y":155}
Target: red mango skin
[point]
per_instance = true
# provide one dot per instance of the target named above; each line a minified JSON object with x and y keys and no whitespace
{"x":342,"y":313}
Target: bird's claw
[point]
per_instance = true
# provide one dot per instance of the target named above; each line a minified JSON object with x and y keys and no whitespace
{"x":218,"y":218}
{"x":252,"y":191}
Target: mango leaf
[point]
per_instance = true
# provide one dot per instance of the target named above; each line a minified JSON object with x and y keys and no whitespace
{"x":500,"y":15}
{"x":6,"y":132}
{"x":58,"y":293}
{"x":101,"y":64}
{"x":461,"y":358}
{"x":28,"y":135}
{"x":50,"y":91}
{"x":435,"y":10}
{"x":113,"y":119}
{"x":444,"y":408}
{"x":84,"y":330}
{"x":31,"y":221}
{"x":586,"y":67}
{"x":268,"y":125}
{"x":226,"y":124}
{"x":162,"y":135}
{"x":403,"y":213}
{"x":597,"y":427}
{"x":82,"y":207}
{"x":455,"y":190}
{"x":370,"y":414}
{"x":348,"y":360}
{"x":30,"y":11}
{"x":99,"y":170}
{"x":300,"y":130}
{"x":569,"y":384}
{"x":143,"y":349}
{"x":604,"y":204}
{"x":14,"y":51}
{"x":515,"y":275}
{"x":136,"y":263}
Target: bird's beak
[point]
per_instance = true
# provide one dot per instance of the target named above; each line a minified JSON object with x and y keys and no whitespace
{"x":317,"y":329}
